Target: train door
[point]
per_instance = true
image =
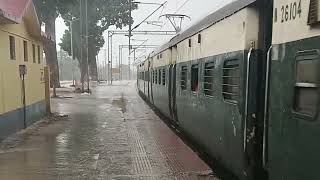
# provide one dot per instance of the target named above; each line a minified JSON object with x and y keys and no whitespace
{"x":294,"y":93}
{"x":172,"y":101}
{"x":148,"y":80}
{"x":151,"y":84}
{"x":144,"y":83}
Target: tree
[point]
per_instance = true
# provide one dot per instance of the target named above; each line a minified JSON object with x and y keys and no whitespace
{"x":48,"y":11}
{"x":101,"y":15}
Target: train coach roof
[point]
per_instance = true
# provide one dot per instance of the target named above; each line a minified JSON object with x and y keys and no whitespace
{"x":208,"y":21}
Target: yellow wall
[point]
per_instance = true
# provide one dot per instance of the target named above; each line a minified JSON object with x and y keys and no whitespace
{"x":10,"y":82}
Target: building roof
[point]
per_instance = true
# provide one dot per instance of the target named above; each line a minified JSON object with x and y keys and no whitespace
{"x":16,"y":11}
{"x":207,"y":22}
{"x":13,"y":10}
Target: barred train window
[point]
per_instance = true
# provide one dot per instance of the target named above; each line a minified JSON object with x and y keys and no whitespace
{"x":313,"y":14}
{"x":183,"y":81}
{"x":147,"y":76}
{"x":159,"y":76}
{"x":231,"y":80}
{"x":306,"y":95}
{"x":12,"y":48}
{"x":195,"y":78}
{"x":208,"y":79}
{"x":163,"y":77}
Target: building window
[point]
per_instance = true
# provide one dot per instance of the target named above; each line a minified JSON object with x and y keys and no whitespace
{"x":190,"y":42}
{"x":208,"y":79}
{"x":183,"y":80}
{"x":231,"y":80}
{"x":34,"y":53}
{"x":164,"y":76}
{"x":39,"y":55}
{"x":159,"y":76}
{"x":156,"y":76}
{"x":158,"y":56}
{"x":12,"y":42}
{"x":306,"y":95}
{"x":199,"y":38}
{"x":25,"y":51}
{"x":161,"y":56}
{"x":195,"y":78}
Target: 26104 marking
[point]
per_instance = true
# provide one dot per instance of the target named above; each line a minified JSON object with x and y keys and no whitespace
{"x":288,"y":12}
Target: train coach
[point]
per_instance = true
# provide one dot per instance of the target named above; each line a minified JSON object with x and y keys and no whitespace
{"x":243,"y":83}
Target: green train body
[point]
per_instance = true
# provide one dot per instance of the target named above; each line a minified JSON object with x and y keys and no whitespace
{"x":243,"y":83}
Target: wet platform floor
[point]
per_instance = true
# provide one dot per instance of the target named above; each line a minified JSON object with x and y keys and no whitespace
{"x":111,"y":134}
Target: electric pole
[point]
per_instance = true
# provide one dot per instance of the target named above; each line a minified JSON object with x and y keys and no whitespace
{"x":87,"y":43}
{"x":81,"y":44}
{"x":130,"y":30}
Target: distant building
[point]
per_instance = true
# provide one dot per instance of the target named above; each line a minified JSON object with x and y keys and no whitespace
{"x":125,"y":72}
{"x":116,"y":72}
{"x":20,"y":46}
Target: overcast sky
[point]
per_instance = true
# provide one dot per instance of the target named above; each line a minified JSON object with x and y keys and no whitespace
{"x":196,"y":9}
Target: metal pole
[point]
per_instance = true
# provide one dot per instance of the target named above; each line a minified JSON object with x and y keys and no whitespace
{"x":71,"y":29}
{"x":129,"y":69}
{"x":98,"y":65}
{"x":108,"y":58}
{"x":81,"y":50}
{"x":119,"y":63}
{"x":105,"y":64}
{"x":111,"y":59}
{"x":24,"y":103}
{"x":130,"y":31}
{"x":87,"y":43}
{"x":134,"y":55}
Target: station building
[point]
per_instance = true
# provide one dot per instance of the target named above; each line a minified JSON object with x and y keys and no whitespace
{"x":22,"y":69}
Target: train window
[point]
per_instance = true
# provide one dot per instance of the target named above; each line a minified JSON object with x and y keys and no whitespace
{"x":199,"y":38}
{"x":231,"y":80}
{"x":313,"y":16}
{"x":183,"y":81}
{"x":155,"y":76}
{"x":147,"y":75}
{"x":306,"y":95}
{"x":12,"y":48}
{"x":159,"y":76}
{"x":195,"y":78}
{"x":208,"y":79}
{"x":163,"y":77}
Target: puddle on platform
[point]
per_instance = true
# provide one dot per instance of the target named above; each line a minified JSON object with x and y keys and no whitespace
{"x":121,"y":103}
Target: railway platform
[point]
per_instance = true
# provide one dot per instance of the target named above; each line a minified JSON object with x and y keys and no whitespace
{"x":111,"y":134}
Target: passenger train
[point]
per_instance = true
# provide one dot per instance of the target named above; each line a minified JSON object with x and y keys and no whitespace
{"x":243,"y":83}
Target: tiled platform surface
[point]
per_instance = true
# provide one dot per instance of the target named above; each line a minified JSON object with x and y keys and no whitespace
{"x":111,"y":134}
